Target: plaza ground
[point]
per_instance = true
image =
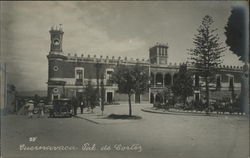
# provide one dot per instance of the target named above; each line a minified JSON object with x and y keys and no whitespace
{"x":159,"y":135}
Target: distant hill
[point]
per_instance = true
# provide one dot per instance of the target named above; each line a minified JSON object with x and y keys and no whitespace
{"x":41,"y":93}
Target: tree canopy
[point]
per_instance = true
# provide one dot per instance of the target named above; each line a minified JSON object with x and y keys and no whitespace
{"x":183,"y":84}
{"x":131,"y":80}
{"x":206,"y":56}
{"x":236,"y":33}
{"x":91,"y":95}
{"x":207,"y":52}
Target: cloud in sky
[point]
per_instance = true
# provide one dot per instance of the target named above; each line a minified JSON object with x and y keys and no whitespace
{"x":101,"y":28}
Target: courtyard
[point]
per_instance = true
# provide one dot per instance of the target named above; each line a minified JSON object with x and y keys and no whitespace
{"x":161,"y":135}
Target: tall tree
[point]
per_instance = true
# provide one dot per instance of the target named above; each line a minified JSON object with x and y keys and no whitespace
{"x":236,"y":33}
{"x":183,"y":84}
{"x":130,"y":79}
{"x":207,"y":52}
{"x":142,"y":79}
{"x":237,"y":40}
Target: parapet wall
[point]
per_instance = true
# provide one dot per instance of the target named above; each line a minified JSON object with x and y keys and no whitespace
{"x":106,"y":59}
{"x":126,"y":60}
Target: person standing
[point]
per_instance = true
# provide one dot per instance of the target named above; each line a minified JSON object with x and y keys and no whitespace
{"x":26,"y":107}
{"x":41,"y":109}
{"x":74,"y":104}
{"x":30,"y":108}
{"x":82,"y":106}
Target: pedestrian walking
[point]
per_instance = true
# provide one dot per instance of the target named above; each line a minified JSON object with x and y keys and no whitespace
{"x":30,"y":108}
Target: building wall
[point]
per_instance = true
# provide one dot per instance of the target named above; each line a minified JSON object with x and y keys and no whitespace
{"x":62,"y":72}
{"x":66,"y":72}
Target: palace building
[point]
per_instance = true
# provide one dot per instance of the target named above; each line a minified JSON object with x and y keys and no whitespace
{"x":69,"y":74}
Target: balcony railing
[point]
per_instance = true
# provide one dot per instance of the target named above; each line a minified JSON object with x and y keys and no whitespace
{"x":79,"y":82}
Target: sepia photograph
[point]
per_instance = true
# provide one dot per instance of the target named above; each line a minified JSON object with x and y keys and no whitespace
{"x":124,"y":79}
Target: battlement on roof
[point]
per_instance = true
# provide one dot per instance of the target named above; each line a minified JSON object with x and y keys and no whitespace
{"x":114,"y":59}
{"x":106,"y":59}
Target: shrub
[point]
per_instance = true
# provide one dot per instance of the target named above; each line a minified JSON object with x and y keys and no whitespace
{"x":157,"y":105}
{"x":197,"y":105}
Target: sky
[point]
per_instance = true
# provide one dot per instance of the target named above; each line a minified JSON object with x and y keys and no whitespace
{"x":126,"y":29}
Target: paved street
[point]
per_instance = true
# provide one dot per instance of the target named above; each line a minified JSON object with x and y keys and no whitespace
{"x":157,"y":135}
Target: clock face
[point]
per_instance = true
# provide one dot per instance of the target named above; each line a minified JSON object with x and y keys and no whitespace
{"x":55,"y":90}
{"x":56,"y":42}
{"x":55,"y":68}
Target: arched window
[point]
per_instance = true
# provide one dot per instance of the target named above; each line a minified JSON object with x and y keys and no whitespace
{"x":159,"y":79}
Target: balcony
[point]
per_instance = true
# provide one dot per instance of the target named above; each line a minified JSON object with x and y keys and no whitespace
{"x":79,"y":82}
{"x":109,"y":83}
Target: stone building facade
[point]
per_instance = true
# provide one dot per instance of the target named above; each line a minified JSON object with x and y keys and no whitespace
{"x":68,"y":74}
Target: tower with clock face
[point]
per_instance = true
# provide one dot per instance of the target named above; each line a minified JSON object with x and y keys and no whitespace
{"x":56,"y":36}
{"x":56,"y":64}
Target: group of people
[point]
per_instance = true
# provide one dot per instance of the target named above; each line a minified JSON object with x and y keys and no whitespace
{"x":29,"y":108}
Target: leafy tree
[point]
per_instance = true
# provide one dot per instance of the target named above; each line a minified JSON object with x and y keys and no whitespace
{"x":183,"y":84}
{"x":131,"y":80}
{"x":206,"y":56}
{"x":142,"y":79}
{"x":236,"y":33}
{"x":166,"y":94}
{"x":36,"y":99}
{"x":91,"y":95}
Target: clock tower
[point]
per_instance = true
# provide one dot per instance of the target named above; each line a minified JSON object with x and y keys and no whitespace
{"x":56,"y":62}
{"x":56,"y":37}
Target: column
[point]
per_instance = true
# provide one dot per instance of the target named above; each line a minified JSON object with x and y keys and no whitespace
{"x":154,"y":97}
{"x":154,"y":79}
{"x":163,"y":81}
